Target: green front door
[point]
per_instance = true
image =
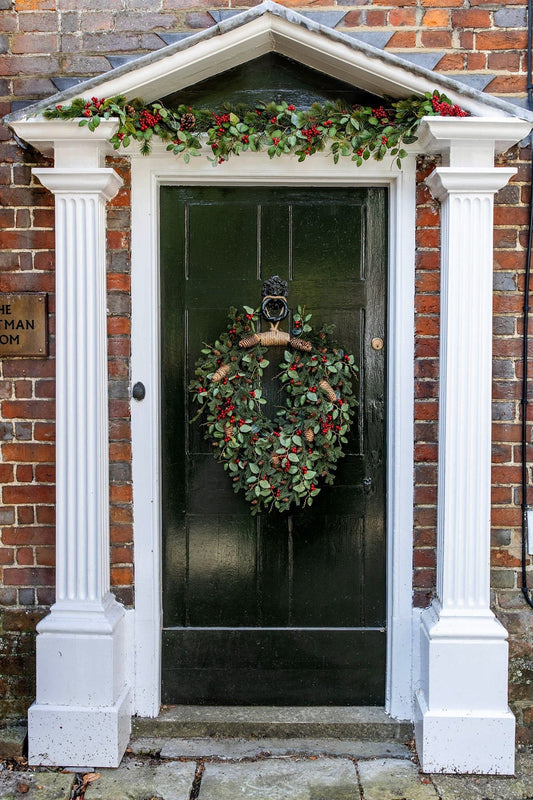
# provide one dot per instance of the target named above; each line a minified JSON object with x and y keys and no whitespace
{"x":270,"y":609}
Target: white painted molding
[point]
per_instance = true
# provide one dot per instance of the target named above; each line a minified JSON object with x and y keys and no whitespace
{"x":81,"y":714}
{"x":256,"y":169}
{"x":463,"y":647}
{"x":468,"y":181}
{"x":74,"y":146}
{"x":470,"y":141}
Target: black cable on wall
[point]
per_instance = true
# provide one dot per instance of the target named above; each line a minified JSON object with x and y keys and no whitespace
{"x":525,"y":336}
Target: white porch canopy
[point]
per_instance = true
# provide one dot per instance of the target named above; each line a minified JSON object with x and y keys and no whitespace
{"x":456,"y":690}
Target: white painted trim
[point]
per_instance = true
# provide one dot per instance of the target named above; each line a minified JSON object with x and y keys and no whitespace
{"x":81,"y":715}
{"x":464,"y":653}
{"x":257,"y":169}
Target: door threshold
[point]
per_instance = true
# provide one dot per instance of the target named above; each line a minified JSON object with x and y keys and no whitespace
{"x":364,"y":723}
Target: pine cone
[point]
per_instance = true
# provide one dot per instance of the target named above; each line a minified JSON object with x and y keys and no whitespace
{"x":301,"y":344}
{"x":187,"y":121}
{"x":249,"y":341}
{"x":309,"y":435}
{"x":221,"y":373}
{"x":328,"y":391}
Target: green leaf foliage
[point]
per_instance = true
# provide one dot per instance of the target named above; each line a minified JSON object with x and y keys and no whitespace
{"x":355,"y":131}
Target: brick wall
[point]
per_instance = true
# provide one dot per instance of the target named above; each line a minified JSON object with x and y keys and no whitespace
{"x":49,"y":44}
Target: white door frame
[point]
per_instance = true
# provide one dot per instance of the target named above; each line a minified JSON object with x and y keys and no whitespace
{"x":254,"y":169}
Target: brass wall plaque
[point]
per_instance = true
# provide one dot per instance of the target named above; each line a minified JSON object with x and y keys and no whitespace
{"x":23,"y":325}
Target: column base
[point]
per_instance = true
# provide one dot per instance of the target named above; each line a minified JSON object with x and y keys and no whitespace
{"x":462,"y":720}
{"x":71,"y":736}
{"x":81,"y":716}
{"x":463,"y":741}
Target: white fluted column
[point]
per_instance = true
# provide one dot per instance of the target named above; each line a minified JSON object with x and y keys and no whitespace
{"x":463,"y":723}
{"x":81,"y":714}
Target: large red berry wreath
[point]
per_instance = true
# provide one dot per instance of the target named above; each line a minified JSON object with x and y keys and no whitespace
{"x":277,"y":463}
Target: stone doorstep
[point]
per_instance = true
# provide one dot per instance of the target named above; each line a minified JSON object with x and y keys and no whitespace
{"x":362,"y":723}
{"x":236,"y":750}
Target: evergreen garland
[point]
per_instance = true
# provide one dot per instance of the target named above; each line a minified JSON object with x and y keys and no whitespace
{"x":359,"y":132}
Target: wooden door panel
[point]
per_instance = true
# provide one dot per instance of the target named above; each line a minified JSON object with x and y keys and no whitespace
{"x":286,"y":667}
{"x":267,"y":609}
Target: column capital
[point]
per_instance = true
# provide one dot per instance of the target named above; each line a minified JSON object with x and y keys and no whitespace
{"x":102,"y":181}
{"x":444,"y":181}
{"x":70,"y":144}
{"x":470,"y":141}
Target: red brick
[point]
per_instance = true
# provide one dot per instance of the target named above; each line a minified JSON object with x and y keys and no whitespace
{"x":436,"y":18}
{"x":45,"y":431}
{"x":121,"y":514}
{"x":28,"y":536}
{"x":436,"y":39}
{"x":504,"y":61}
{"x":45,"y":473}
{"x":7,"y":555}
{"x":507,"y":84}
{"x":121,"y":534}
{"x":402,"y":16}
{"x":24,"y":576}
{"x":121,"y":555}
{"x":25,"y":515}
{"x":121,"y":576}
{"x":118,"y":240}
{"x":451,"y":61}
{"x":471,"y":18}
{"x":28,"y":409}
{"x":31,"y":43}
{"x":25,"y":557}
{"x":35,"y":5}
{"x":29,"y":452}
{"x":427,"y":326}
{"x":375,"y":17}
{"x":120,"y":494}
{"x":404,"y":39}
{"x":501,"y":40}
{"x":45,"y":556}
{"x":119,"y":452}
{"x":28,"y":494}
{"x":118,"y":282}
{"x":118,"y":325}
{"x":27,"y":240}
{"x":475,"y":61}
{"x":425,"y":495}
{"x":46,"y":515}
{"x":424,"y":557}
{"x":501,"y":495}
{"x":24,"y":473}
{"x":6,"y":473}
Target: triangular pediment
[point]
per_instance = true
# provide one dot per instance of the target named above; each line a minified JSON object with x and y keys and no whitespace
{"x":271,"y":28}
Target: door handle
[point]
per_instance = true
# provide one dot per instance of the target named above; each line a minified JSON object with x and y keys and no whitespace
{"x":139,"y":391}
{"x":367,"y":485}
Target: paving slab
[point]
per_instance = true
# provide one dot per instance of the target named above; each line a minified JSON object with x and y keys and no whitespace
{"x":394,"y":779}
{"x":489,"y":787}
{"x":237,"y":749}
{"x":41,"y":785}
{"x":12,"y":741}
{"x":281,"y":779}
{"x":143,"y":781}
